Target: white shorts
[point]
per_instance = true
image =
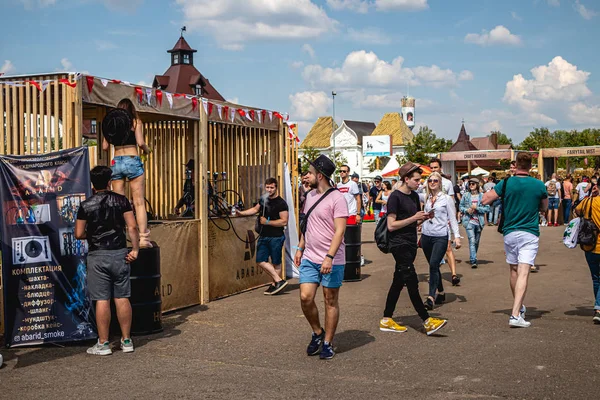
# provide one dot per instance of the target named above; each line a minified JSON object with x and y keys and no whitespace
{"x":521,"y":248}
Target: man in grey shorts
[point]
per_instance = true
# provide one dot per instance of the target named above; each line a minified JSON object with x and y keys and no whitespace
{"x":101,"y":220}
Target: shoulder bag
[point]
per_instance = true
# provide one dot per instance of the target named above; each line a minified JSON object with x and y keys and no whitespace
{"x":501,"y":222}
{"x":304,"y":217}
{"x":588,"y":230}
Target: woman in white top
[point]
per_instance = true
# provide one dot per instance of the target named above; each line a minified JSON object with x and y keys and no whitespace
{"x":436,"y":230}
{"x":383,"y":197}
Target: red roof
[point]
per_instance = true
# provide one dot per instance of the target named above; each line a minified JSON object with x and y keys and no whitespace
{"x":181,"y":45}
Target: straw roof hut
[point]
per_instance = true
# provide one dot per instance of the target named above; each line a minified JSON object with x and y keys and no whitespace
{"x":393,"y":125}
{"x":319,"y":135}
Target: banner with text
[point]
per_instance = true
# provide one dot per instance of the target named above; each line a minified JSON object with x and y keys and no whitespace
{"x":43,"y":265}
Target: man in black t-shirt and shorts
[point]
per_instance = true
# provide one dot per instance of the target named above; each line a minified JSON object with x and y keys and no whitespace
{"x":273,"y":212}
{"x":101,"y":220}
{"x":403,"y":216}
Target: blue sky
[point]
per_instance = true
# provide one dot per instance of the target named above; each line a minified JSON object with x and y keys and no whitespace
{"x":510,"y":65}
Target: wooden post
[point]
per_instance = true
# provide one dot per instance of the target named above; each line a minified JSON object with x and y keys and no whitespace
{"x":469,"y":167}
{"x":2,"y":131}
{"x":201,"y":145}
{"x":541,"y":164}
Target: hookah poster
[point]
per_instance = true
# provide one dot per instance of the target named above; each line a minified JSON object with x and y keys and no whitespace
{"x":43,"y":265}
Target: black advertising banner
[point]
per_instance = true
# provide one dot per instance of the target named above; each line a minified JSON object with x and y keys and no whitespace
{"x":43,"y":265}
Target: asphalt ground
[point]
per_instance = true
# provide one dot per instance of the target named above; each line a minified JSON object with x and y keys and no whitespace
{"x":252,"y":346}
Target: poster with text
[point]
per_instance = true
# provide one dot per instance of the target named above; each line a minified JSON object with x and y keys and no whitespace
{"x":43,"y":264}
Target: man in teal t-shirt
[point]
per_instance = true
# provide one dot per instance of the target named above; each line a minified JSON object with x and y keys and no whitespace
{"x":523,"y":198}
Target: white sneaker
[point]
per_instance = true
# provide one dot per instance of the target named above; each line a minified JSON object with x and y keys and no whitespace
{"x":522,"y":311}
{"x":100,"y":349}
{"x":1,"y":360}
{"x":514,"y":322}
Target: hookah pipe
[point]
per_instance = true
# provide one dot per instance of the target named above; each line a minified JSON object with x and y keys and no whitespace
{"x":31,"y":215}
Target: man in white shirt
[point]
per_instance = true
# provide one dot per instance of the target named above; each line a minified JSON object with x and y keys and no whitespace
{"x":553,"y":188}
{"x":351,"y":193}
{"x":436,"y":166}
{"x":583,"y":189}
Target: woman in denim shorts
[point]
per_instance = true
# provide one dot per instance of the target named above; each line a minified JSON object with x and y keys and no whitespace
{"x":128,"y":165}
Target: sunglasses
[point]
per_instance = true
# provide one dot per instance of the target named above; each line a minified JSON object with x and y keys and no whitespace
{"x":343,"y":172}
{"x":472,"y":183}
{"x":433,"y":181}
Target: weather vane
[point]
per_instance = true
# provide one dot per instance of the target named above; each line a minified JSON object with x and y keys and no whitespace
{"x":183,"y":30}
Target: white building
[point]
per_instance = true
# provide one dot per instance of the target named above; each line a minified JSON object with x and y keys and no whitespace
{"x":347,"y":138}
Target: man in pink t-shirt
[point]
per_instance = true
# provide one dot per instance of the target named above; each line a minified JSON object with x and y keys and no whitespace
{"x":321,"y":255}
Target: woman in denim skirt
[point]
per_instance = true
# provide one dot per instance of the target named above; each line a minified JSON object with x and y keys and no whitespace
{"x":126,"y":164}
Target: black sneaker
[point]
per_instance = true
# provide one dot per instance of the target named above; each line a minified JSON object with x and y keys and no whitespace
{"x":314,"y":347}
{"x":596,"y":318}
{"x":440,"y":299}
{"x":279,"y":286}
{"x":455,"y":280}
{"x":327,"y":352}
{"x":428,"y":304}
{"x":474,"y":265}
{"x":269,"y":291}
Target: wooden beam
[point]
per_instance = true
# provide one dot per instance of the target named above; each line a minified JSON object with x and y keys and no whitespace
{"x":2,"y":124}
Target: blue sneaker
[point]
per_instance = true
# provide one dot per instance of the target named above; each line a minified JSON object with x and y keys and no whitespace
{"x":327,"y":352}
{"x":315,"y":343}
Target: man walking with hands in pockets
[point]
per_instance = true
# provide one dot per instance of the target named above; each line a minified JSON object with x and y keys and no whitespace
{"x":321,"y":254}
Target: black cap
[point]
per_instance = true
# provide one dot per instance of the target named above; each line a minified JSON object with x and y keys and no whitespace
{"x":324,"y":165}
{"x":355,"y":175}
{"x":116,"y":126}
{"x":378,"y":178}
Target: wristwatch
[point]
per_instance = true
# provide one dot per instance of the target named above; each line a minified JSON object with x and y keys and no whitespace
{"x":329,"y":256}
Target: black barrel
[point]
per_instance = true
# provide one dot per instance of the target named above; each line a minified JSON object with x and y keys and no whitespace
{"x":146,"y":300}
{"x":353,"y":241}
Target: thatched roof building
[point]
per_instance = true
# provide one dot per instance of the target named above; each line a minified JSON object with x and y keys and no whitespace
{"x":393,"y":125}
{"x":319,"y":135}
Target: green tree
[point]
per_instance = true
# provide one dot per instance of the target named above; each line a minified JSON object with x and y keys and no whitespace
{"x":425,"y":144}
{"x":338,"y":159}
{"x":503,"y":139}
{"x":309,"y":153}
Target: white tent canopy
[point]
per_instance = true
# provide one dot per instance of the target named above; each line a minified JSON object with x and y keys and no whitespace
{"x":392,"y":165}
{"x":476,"y":172}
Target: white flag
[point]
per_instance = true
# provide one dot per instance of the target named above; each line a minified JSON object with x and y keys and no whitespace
{"x":248,"y":114}
{"x":232,"y":113}
{"x":149,"y":95}
{"x":271,"y":116}
{"x":104,"y":82}
{"x":258,"y":115}
{"x":220,"y":109}
{"x":125,"y":83}
{"x":205,"y":105}
{"x":170,"y":98}
{"x":45,"y":84}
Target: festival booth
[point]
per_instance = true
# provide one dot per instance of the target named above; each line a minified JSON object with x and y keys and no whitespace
{"x":550,"y":157}
{"x":235,"y":148}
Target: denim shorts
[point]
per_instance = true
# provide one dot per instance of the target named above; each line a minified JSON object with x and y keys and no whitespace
{"x":553,"y":203}
{"x":129,"y":167}
{"x":269,"y":246}
{"x":310,"y":272}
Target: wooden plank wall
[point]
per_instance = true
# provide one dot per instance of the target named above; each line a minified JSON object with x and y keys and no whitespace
{"x":232,"y":146}
{"x":172,"y":144}
{"x":34,"y":121}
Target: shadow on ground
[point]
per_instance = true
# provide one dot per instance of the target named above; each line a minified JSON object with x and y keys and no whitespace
{"x":349,"y":340}
{"x":585,"y":311}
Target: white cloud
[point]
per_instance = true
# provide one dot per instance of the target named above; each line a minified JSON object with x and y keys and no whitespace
{"x":360,"y":99}
{"x":581,"y":113}
{"x":401,"y":5}
{"x":491,"y":126}
{"x":103,"y":45}
{"x":536,"y":119}
{"x":583,"y":11}
{"x":307,"y":48}
{"x":143,"y":83}
{"x":465,"y":75}
{"x":297,"y":64}
{"x":515,"y":16}
{"x":559,"y":80}
{"x":553,"y":3}
{"x":359,"y":6}
{"x":364,"y":69}
{"x":67,"y":66}
{"x":234,"y":100}
{"x":498,"y":35}
{"x":234,"y":22}
{"x":7,"y":68}
{"x":369,"y":36}
{"x":309,"y":105}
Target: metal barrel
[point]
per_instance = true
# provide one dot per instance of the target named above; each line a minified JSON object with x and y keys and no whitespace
{"x":353,"y":241}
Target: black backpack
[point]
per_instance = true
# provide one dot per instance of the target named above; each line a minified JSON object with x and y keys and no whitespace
{"x":588,"y":231}
{"x":382,"y":235}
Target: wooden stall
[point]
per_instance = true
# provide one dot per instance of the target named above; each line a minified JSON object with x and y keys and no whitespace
{"x":49,"y":112}
{"x":552,"y":155}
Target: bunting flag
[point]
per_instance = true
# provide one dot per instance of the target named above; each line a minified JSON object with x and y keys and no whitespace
{"x":219,"y":109}
{"x":258,"y":115}
{"x":210,"y":108}
{"x":149,"y":95}
{"x":291,"y":133}
{"x":276,"y":114}
{"x":194,"y":103}
{"x":225,"y":112}
{"x":104,"y":82}
{"x":90,"y":83}
{"x":139,"y":93}
{"x":67,"y":82}
{"x":115,"y":81}
{"x":170,"y":99}
{"x":34,"y":83}
{"x":250,"y":115}
{"x":45,"y":84}
{"x":205,"y":105}
{"x":264,"y":115}
{"x":287,"y":116}
{"x":271,"y":116}
{"x":241,"y":112}
{"x":159,"y":97}
{"x":126,"y":83}
{"x":232,"y":112}
{"x":178,"y":95}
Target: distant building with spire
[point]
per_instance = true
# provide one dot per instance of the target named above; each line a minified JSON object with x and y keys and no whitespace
{"x":182,"y":76}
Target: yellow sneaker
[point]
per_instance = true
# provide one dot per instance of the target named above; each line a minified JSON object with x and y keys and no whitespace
{"x":432,"y":325}
{"x":390,"y":325}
